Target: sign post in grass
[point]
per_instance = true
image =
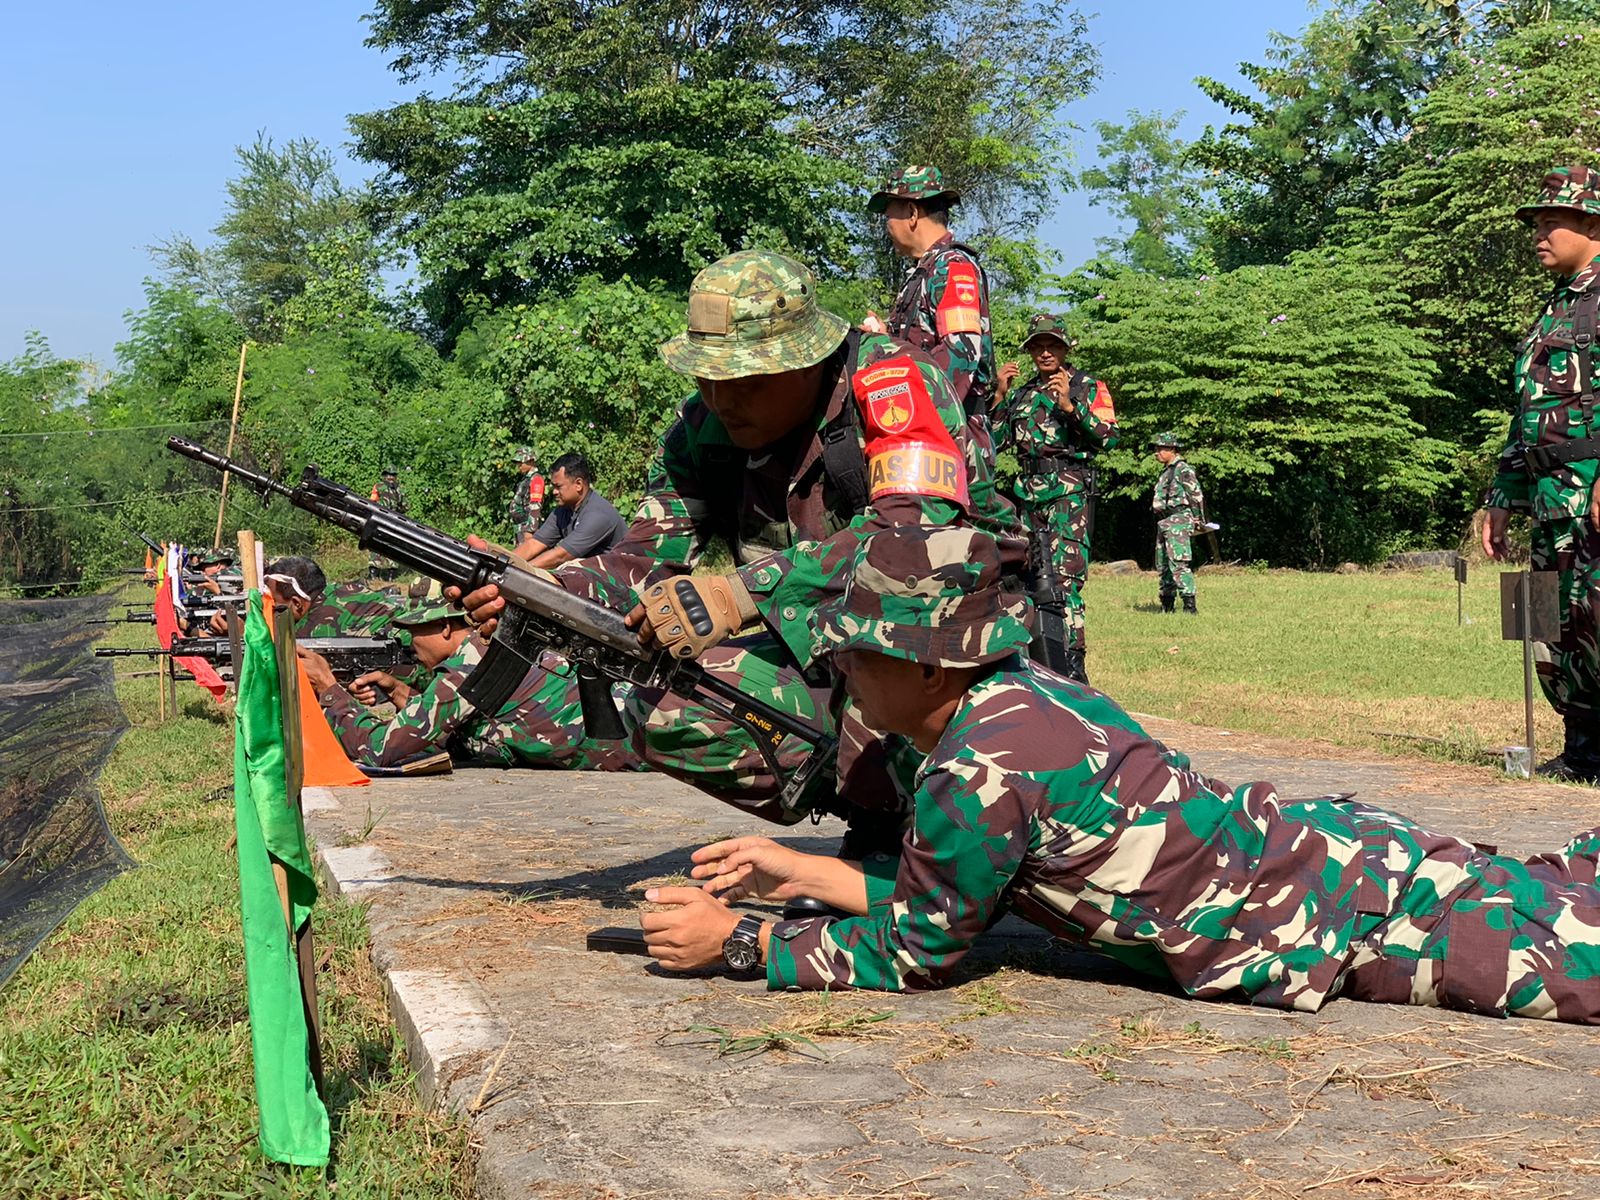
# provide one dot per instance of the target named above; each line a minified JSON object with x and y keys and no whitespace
{"x":1529,"y":612}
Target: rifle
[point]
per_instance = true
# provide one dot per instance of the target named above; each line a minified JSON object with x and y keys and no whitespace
{"x":347,"y":656}
{"x":1049,"y":599}
{"x":539,"y":616}
{"x":127,"y":618}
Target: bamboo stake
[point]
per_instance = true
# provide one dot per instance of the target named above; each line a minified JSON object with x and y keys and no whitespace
{"x":233,"y":427}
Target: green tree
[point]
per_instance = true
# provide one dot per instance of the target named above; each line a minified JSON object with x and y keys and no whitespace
{"x":280,"y":207}
{"x":1143,"y":177}
{"x":1302,"y":392}
{"x":1484,"y":138}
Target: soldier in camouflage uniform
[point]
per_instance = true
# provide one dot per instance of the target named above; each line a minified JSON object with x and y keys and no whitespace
{"x":1179,"y":506}
{"x":943,"y":308}
{"x":391,"y":495}
{"x":1044,"y":798}
{"x":800,"y":440}
{"x":526,"y":509}
{"x":1552,"y":456}
{"x":1056,"y":423}
{"x":540,"y":724}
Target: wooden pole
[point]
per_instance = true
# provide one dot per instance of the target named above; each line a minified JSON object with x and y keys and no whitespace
{"x":233,"y":427}
{"x":247,"y":559}
{"x":1526,"y":583}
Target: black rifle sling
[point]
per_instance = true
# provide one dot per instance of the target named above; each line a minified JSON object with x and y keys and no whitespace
{"x":1583,"y":335}
{"x":843,"y":459}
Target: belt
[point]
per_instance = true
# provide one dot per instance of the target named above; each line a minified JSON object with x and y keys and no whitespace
{"x":1035,"y":464}
{"x":1542,"y":460}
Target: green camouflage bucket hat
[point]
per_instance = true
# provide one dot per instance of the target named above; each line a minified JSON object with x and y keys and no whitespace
{"x":220,"y":554}
{"x":390,"y":471}
{"x":425,"y":611}
{"x":522,"y":454}
{"x":754,"y":312}
{"x":1166,"y":440}
{"x":913,"y":183}
{"x":1576,"y":188}
{"x":1048,"y":325}
{"x":928,"y":595}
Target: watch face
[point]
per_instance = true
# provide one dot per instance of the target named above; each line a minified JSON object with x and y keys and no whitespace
{"x":739,"y":954}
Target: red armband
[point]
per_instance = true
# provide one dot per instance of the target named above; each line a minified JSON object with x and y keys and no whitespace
{"x":536,"y":489}
{"x":961,"y":305}
{"x":1101,"y":405}
{"x":909,"y":450}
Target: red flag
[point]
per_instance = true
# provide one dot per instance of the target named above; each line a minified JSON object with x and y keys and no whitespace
{"x":167,"y":629}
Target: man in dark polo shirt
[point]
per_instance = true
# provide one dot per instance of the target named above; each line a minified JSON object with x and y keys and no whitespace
{"x":583,"y":523}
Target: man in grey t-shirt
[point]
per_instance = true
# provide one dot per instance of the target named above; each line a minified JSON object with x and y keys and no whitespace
{"x":584,"y":522}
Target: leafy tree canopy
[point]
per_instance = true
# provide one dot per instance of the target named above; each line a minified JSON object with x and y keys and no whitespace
{"x":1143,"y":177}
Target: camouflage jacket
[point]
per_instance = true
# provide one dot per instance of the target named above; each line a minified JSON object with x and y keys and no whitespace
{"x":790,"y":531}
{"x":353,"y":610}
{"x":943,"y":310}
{"x":1052,"y":445}
{"x":1177,"y":498}
{"x":1046,"y":799}
{"x":527,"y":503}
{"x":390,"y":495}
{"x":541,"y":724}
{"x":1548,"y":381}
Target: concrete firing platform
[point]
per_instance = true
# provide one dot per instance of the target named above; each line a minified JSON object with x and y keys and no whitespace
{"x":1045,"y":1073}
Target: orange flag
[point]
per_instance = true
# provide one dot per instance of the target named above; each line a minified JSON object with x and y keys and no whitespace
{"x":327,"y":765}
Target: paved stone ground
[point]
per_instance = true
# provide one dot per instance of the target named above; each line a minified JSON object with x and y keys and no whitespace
{"x":1046,"y":1073}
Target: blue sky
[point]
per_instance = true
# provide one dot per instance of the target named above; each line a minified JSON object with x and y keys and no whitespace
{"x":122,"y":118}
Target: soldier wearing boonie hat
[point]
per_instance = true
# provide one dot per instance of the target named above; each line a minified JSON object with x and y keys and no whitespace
{"x":943,"y":306}
{"x":801,"y":438}
{"x":1040,"y":797}
{"x":526,"y":509}
{"x":1055,"y":423}
{"x":387,"y":492}
{"x":539,"y":725}
{"x":1179,"y":505}
{"x":1551,"y":459}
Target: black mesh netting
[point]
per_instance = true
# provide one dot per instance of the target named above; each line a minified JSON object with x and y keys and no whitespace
{"x":59,"y":720}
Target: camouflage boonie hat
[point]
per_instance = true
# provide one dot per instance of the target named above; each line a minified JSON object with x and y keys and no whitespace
{"x":913,"y":183}
{"x":523,"y":454}
{"x":1049,"y":325}
{"x":387,"y":471}
{"x":218,"y":554}
{"x":753,"y":312}
{"x":1166,"y":440}
{"x":421,"y":612}
{"x":1575,"y":187}
{"x":927,"y":595}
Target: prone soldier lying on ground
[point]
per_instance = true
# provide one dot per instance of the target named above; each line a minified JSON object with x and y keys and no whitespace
{"x":800,"y":439}
{"x":541,"y":724}
{"x":1043,"y":797}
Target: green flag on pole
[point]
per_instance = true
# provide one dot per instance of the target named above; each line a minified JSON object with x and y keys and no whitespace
{"x":294,"y":1124}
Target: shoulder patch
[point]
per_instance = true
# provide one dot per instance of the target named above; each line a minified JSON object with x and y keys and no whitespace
{"x":961,"y":305}
{"x":909,"y":449}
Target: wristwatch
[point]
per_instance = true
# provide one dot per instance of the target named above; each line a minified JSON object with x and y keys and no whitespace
{"x":742,"y":950}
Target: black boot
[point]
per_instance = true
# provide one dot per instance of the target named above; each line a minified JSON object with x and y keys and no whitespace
{"x":1188,"y":605}
{"x":1075,"y":668}
{"x":1579,"y":760}
{"x":1169,"y":601}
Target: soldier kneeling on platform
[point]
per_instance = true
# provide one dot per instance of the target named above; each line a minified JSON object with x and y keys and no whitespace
{"x":1043,"y":797}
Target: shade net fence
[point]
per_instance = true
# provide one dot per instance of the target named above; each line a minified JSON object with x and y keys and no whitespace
{"x":59,"y":721}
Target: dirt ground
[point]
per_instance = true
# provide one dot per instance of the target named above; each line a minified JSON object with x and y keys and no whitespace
{"x":1047,"y":1072}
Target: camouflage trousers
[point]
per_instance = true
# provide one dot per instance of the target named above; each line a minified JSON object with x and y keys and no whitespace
{"x":1569,"y":669}
{"x":1063,"y":525}
{"x":545,"y":730}
{"x":1174,"y":553}
{"x":1443,"y":922}
{"x":871,"y":786}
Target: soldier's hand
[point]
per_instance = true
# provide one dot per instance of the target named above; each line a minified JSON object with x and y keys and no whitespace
{"x":484,"y":605}
{"x":873,"y":323}
{"x":689,"y":935}
{"x":218,"y":624}
{"x":1003,"y":379}
{"x":374,"y":687}
{"x":1594,"y":511}
{"x":1494,"y":531}
{"x":318,"y":673}
{"x":1060,"y":386}
{"x":687,"y":615}
{"x":749,"y":868}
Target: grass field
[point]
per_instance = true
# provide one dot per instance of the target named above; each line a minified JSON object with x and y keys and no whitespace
{"x":125,"y":1062}
{"x":1348,"y":658}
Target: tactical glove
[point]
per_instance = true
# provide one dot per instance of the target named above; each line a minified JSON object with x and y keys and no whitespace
{"x":689,"y":614}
